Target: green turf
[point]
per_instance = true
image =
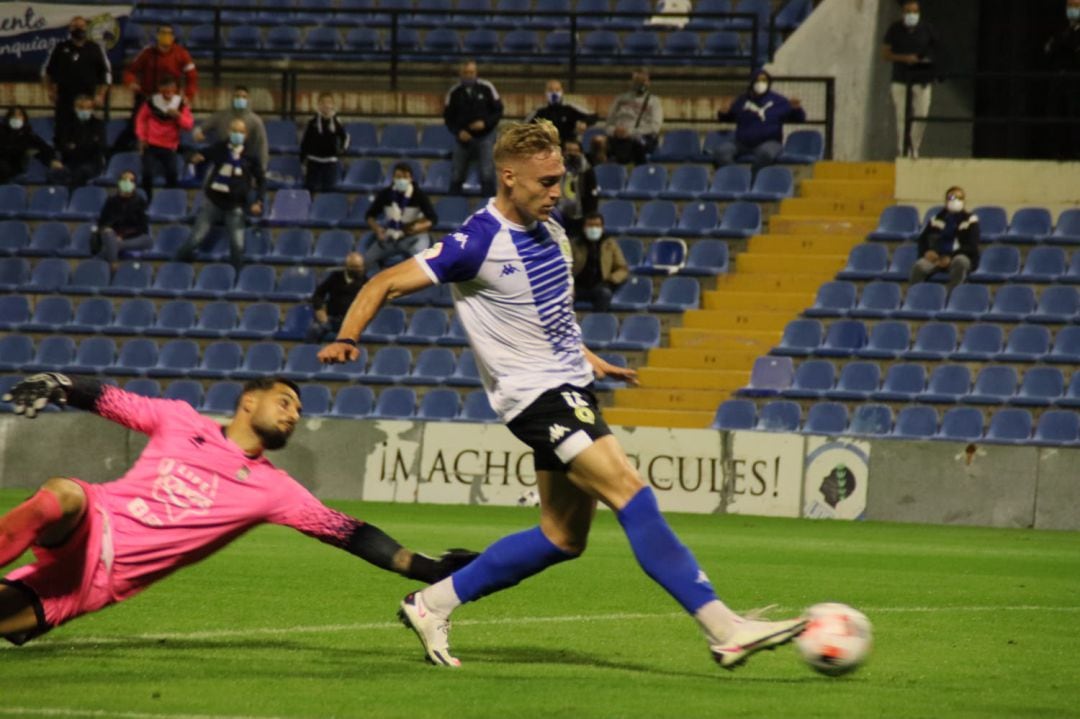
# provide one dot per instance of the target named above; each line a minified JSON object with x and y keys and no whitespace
{"x":968,"y":623}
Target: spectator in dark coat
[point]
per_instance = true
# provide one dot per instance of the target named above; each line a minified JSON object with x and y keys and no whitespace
{"x":569,"y":119}
{"x":599,"y":265}
{"x":122,"y":226}
{"x":949,"y":243}
{"x":1062,"y":53}
{"x":81,"y":148}
{"x":325,"y":141}
{"x":76,"y":66}
{"x":333,"y":297}
{"x":17,"y":142}
{"x":471,"y":112}
{"x":759,"y":115}
{"x":911,"y":46}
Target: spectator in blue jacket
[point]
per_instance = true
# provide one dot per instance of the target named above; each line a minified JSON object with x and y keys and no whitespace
{"x":759,"y":115}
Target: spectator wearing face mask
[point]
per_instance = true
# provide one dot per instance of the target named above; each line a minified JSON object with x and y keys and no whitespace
{"x":911,"y":47}
{"x":219,"y":123}
{"x":634,"y":122}
{"x":400,"y":218}
{"x":233,"y":178}
{"x":158,"y":126}
{"x":81,"y":148}
{"x":472,"y":111}
{"x":1062,"y":55}
{"x":122,"y":226}
{"x":18,"y":142}
{"x":579,"y":194}
{"x":325,"y":141}
{"x":759,"y":115}
{"x":569,"y":119}
{"x":599,"y":264}
{"x":76,"y":66}
{"x":950,"y":243}
{"x":333,"y":297}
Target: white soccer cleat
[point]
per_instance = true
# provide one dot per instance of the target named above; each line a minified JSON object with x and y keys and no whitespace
{"x":433,"y":631}
{"x":752,"y":636}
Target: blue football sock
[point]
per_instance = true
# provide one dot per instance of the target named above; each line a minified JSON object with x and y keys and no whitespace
{"x":662,"y":555}
{"x":507,"y":562}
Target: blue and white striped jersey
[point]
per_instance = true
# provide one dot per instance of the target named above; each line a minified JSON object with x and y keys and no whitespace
{"x":514,"y":292}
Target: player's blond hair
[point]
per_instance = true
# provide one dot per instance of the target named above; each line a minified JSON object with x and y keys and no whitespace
{"x":523,"y":140}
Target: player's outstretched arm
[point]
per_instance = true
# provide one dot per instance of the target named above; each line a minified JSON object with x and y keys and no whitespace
{"x":31,"y":395}
{"x":401,"y":279}
{"x":602,"y":368}
{"x":374,"y":545}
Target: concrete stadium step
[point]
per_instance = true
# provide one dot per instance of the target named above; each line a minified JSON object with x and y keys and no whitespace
{"x":666,"y":377}
{"x":838,"y":207}
{"x":698,"y":358}
{"x":736,"y":301}
{"x":755,"y":282}
{"x":855,"y":171}
{"x":632,"y":417}
{"x":730,"y":340}
{"x":802,"y":244}
{"x":679,"y":399}
{"x":810,"y":225}
{"x":847,"y":189}
{"x":724,"y":320}
{"x":749,"y":262}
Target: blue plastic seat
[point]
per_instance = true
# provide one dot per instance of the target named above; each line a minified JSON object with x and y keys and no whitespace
{"x":993,"y":385}
{"x":934,"y":341}
{"x":14,"y":237}
{"x":993,"y":223}
{"x":167,"y":242}
{"x":435,"y":141}
{"x":262,"y":358}
{"x":452,"y":212}
{"x":173,"y":279}
{"x":120,"y":163}
{"x":399,"y":140}
{"x":281,"y":134}
{"x":217,"y":319}
{"x":770,"y":376}
{"x":134,"y":317}
{"x":1041,"y":386}
{"x":922,"y":301}
{"x":843,"y":339}
{"x":219,"y":360}
{"x":315,"y":400}
{"x":899,"y":223}
{"x":687,"y":182}
{"x":255,"y":282}
{"x":999,"y":263}
{"x":966,"y":302}
{"x":779,"y":416}
{"x":834,"y":299}
{"x":1066,"y":348}
{"x":440,"y":405}
{"x":1043,"y":265}
{"x":51,"y":314}
{"x":1061,"y":427}
{"x":677,"y":294}
{"x":362,"y":43}
{"x":723,"y":47}
{"x":433,"y":366}
{"x":812,"y":380}
{"x":678,"y":146}
{"x":322,"y":39}
{"x":731,"y":182}
{"x":857,"y":381}
{"x":829,"y":418}
{"x":427,"y":325}
{"x":328,"y":209}
{"x":610,"y":179}
{"x":136,"y":358}
{"x":1026,"y":343}
{"x":259,"y":321}
{"x":395,"y":403}
{"x":144,"y":387}
{"x":633,"y":295}
{"x":697,"y":219}
{"x":92,"y":315}
{"x":916,"y":423}
{"x":455,"y":336}
{"x":12,"y":200}
{"x":772,"y":184}
{"x":302,"y":363}
{"x":47,"y":203}
{"x":618,"y":215}
{"x":1067,"y":230}
{"x":1029,"y":225}
{"x":1072,"y":394}
{"x":388,"y":324}
{"x":740,"y":219}
{"x":331,"y":247}
{"x":680,"y":46}
{"x":213,"y":282}
{"x":168,"y":205}
{"x":903,"y":259}
{"x":353,"y":402}
{"x":633,"y":250}
{"x":981,"y":342}
{"x":865,"y":262}
{"x":85,"y":203}
{"x":599,"y":45}
{"x":90,"y":277}
{"x":646,"y":182}
{"x":390,"y":365}
{"x":49,"y":275}
{"x":365,"y":175}
{"x":14,"y":273}
{"x":1012,"y":303}
{"x":53,"y":354}
{"x":291,"y":247}
{"x":803,"y":147}
{"x":871,"y":420}
{"x":290,"y":207}
{"x":878,"y":299}
{"x":221,"y":398}
{"x":477,"y":408}
{"x":131,"y":278}
{"x":1057,"y":305}
{"x":664,"y":257}
{"x":947,"y":384}
{"x":598,"y":329}
{"x":903,"y":382}
{"x":638,"y":332}
{"x":735,"y":414}
{"x":16,"y":351}
{"x":707,"y":258}
{"x":466,"y":373}
{"x":800,"y":338}
{"x":176,"y":359}
{"x":961,"y":424}
{"x":15,"y":311}
{"x":657,"y":217}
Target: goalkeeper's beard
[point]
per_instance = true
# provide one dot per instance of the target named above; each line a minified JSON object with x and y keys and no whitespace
{"x":272,"y":437}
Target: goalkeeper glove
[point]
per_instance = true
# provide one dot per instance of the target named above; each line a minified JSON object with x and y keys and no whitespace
{"x":32,"y":394}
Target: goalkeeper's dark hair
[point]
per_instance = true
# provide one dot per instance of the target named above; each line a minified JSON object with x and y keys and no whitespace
{"x":260,"y":384}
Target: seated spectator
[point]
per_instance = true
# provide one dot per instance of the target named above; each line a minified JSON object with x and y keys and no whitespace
{"x":17,"y":141}
{"x":633,"y":125}
{"x":122,"y":226}
{"x":217,"y":127}
{"x":333,"y":297}
{"x":569,"y":119}
{"x":158,"y":126}
{"x":325,"y":141}
{"x":234,"y":176}
{"x":579,"y":194}
{"x":599,"y":265}
{"x":759,"y":116}
{"x":80,"y":147}
{"x":406,"y":216}
{"x":950,"y":243}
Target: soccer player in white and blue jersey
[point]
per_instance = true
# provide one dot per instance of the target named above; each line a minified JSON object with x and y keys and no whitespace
{"x":510,"y":269}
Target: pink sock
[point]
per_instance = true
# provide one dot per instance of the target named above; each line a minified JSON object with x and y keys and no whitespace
{"x":19,"y":527}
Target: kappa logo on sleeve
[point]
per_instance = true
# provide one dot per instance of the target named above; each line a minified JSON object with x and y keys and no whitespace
{"x":461,"y":238}
{"x":433,"y":251}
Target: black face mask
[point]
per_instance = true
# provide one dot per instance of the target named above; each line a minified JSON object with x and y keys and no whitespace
{"x":573,"y":162}
{"x":78,"y":33}
{"x":354,"y":274}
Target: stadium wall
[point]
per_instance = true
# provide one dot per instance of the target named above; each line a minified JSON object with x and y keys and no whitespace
{"x":698,"y":471}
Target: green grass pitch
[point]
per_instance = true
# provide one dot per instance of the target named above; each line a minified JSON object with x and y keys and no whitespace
{"x":968,"y":623}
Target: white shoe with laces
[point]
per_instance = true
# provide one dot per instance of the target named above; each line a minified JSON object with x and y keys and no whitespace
{"x":433,"y":631}
{"x":752,"y":636}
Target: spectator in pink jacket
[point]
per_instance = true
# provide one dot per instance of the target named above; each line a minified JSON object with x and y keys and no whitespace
{"x":158,"y":126}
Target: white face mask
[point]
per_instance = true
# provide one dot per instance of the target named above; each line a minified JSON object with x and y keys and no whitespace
{"x":954,"y":205}
{"x":594,"y":233}
{"x":911,"y":19}
{"x":16,"y":123}
{"x":402,"y":185}
{"x":760,"y":88}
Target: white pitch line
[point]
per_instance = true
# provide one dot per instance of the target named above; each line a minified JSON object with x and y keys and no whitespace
{"x":110,"y":714}
{"x":562,"y":619}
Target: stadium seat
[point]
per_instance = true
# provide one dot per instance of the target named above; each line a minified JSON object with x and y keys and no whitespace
{"x":1043,"y":265}
{"x":477,"y":408}
{"x":302,"y":364}
{"x":657,"y":217}
{"x":85,"y":203}
{"x":331,"y":247}
{"x":255,"y":282}
{"x":633,"y":295}
{"x":866,"y":262}
{"x":455,"y":336}
{"x":168,"y":205}
{"x":12,"y":201}
{"x":633,"y":250}
{"x":49,"y":275}
{"x":735,"y":414}
{"x":15,"y":311}
{"x":1029,"y":225}
{"x":697,"y":219}
{"x":1066,"y":348}
{"x":14,"y":237}
{"x":993,"y":385}
{"x":878,"y":300}
{"x":136,"y":358}
{"x":144,"y":387}
{"x":353,"y":402}
{"x":687,"y":182}
{"x":843,"y":339}
{"x":947,"y":384}
{"x":899,"y":223}
{"x":916,"y":423}
{"x":834,"y":299}
{"x":16,"y":351}
{"x":49,"y":239}
{"x":47,"y":203}
{"x":599,"y":45}
{"x":1040,"y":387}
{"x":812,"y":380}
{"x":53,"y":354}
{"x":90,"y":277}
{"x":167,"y":242}
{"x":769,"y":377}
{"x":802,"y":147}
{"x":993,"y":223}
{"x":772,"y":184}
{"x":828,"y":418}
{"x":1026,"y":343}
{"x":290,"y":207}
{"x":1012,"y":303}
{"x":857,"y":381}
{"x":466,"y":373}
{"x":740,"y":219}
{"x":525,"y":42}
{"x":390,"y":365}
{"x":173,"y":279}
{"x":176,"y":359}
{"x":723,"y":47}
{"x":217,"y":319}
{"x":779,"y":416}
{"x":440,"y":405}
{"x":637,"y":332}
{"x":961,"y":424}
{"x":618,"y":216}
{"x":1057,"y":305}
{"x":610,"y":179}
{"x":399,"y":140}
{"x":292,"y":246}
{"x":219,"y":360}
{"x":903,"y":259}
{"x":966,"y":302}
{"x":322,"y":39}
{"x":435,"y":141}
{"x":395,"y":403}
{"x":598,"y":330}
{"x":1072,"y":393}
{"x":871,"y":420}
{"x":120,"y":163}
{"x":1067,"y":230}
{"x":678,"y":146}
{"x":315,"y":400}
{"x":677,"y":294}
{"x":731,"y":182}
{"x":664,"y":257}
{"x":981,"y":342}
{"x":92,"y":315}
{"x":680,"y":46}
{"x":328,"y":209}
{"x":1060,"y":427}
{"x":646,"y":182}
{"x":213,"y":282}
{"x":903,"y":382}
{"x":707,"y":258}
{"x":221,"y":398}
{"x":800,"y":338}
{"x":433,"y":366}
{"x":131,"y":278}
{"x":934,"y":341}
{"x":134,"y":317}
{"x":922,"y":301}
{"x":261,"y":359}
{"x":452,"y":212}
{"x":388,"y":323}
{"x":365,"y":175}
{"x":426,"y":326}
{"x":14,"y":273}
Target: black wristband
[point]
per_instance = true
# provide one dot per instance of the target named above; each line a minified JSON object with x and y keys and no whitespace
{"x":345,"y":341}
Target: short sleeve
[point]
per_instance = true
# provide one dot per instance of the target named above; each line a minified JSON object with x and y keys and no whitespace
{"x":458,"y":256}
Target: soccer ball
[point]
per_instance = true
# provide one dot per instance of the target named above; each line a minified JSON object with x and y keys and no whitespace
{"x":836,"y":640}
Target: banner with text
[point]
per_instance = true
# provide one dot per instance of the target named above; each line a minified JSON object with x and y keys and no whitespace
{"x":30,"y":30}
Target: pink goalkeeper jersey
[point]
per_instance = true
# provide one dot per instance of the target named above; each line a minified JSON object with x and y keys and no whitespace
{"x":192,"y":491}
